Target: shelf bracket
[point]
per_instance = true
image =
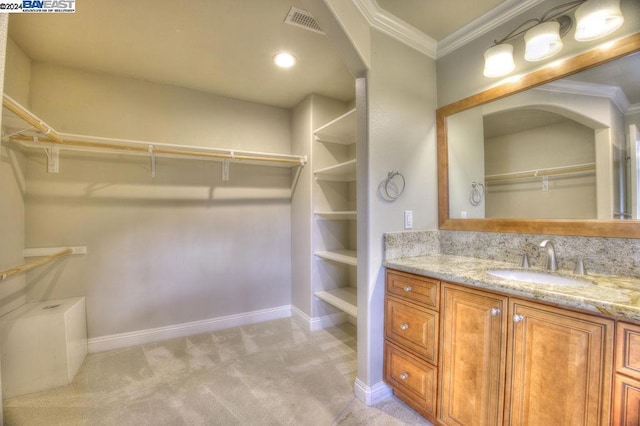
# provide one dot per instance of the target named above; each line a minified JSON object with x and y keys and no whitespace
{"x":545,"y":183}
{"x":225,"y":169}
{"x":53,"y":157}
{"x":153,"y":161}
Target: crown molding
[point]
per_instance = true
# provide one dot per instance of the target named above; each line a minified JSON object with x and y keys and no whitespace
{"x":483,"y":24}
{"x":613,"y":93}
{"x":389,"y":24}
{"x":633,"y":109}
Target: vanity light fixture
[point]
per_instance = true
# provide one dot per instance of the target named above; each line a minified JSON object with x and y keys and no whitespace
{"x":498,"y":60}
{"x":542,"y":41}
{"x":543,"y":36}
{"x":284,"y":60}
{"x":597,"y":18}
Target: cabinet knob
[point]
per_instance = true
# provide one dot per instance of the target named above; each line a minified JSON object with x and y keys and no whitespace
{"x":495,"y":312}
{"x":404,"y":376}
{"x":404,"y":326}
{"x":518,"y":318}
{"x":408,"y":288}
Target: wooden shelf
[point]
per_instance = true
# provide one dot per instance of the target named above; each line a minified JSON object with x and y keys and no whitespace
{"x":342,"y":130}
{"x":343,"y":172}
{"x":339,"y":215}
{"x":348,"y":257}
{"x":344,"y":298}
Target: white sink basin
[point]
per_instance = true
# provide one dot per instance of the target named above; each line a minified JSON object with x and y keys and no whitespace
{"x":538,"y":278}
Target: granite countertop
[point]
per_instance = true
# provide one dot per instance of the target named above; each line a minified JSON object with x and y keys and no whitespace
{"x":610,"y":295}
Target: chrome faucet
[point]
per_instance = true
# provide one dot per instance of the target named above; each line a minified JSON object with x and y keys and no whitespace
{"x":552,"y":263}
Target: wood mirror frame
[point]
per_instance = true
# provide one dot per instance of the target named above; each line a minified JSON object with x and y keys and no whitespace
{"x":597,"y":228}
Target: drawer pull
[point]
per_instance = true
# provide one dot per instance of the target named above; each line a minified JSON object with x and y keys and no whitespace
{"x":404,"y":326}
{"x":495,"y":312}
{"x":408,"y":288}
{"x":517,"y":318}
{"x":404,"y":376}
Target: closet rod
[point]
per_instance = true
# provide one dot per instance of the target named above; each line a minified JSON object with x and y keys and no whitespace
{"x":34,"y":263}
{"x":31,"y":119}
{"x":159,"y":151}
{"x":138,"y":147}
{"x":551,"y":171}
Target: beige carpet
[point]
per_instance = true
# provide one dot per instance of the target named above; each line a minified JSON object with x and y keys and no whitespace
{"x":272,"y":373}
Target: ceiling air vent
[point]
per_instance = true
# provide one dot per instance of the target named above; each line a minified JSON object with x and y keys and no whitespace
{"x":303,"y":19}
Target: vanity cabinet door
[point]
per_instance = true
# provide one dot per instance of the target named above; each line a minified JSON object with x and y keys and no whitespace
{"x":626,"y":401}
{"x":626,"y":406}
{"x":559,"y":367}
{"x":474,"y":334}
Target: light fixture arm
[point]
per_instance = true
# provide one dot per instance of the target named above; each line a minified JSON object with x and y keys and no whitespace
{"x":549,"y":15}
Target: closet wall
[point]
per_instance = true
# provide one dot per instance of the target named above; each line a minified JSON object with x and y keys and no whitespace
{"x":12,"y":181}
{"x":181,"y":247}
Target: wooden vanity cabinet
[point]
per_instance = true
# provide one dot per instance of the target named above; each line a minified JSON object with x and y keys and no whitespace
{"x":509,"y":361}
{"x":411,"y":340}
{"x":473,"y":354}
{"x":626,"y":400}
{"x":559,"y":366}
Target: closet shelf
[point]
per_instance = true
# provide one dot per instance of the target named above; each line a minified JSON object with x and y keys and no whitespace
{"x":344,"y":298}
{"x":343,"y":172}
{"x":341,"y":130}
{"x":348,"y":257}
{"x":540,"y":173}
{"x":45,"y":136}
{"x":336,"y":215}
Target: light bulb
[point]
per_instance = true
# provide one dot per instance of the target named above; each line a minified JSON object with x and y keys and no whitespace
{"x":542,"y":41}
{"x":498,"y":60}
{"x":284,"y":60}
{"x":597,"y":18}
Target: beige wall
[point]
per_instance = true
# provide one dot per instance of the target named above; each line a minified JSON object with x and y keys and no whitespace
{"x":568,"y":197}
{"x":12,"y":187}
{"x":301,"y":209}
{"x":181,"y":247}
{"x":401,"y":103}
{"x":466,"y":162}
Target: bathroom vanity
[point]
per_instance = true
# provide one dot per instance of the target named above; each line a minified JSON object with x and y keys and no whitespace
{"x":464,"y":346}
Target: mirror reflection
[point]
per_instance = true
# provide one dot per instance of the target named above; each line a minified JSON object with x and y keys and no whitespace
{"x":565,"y":150}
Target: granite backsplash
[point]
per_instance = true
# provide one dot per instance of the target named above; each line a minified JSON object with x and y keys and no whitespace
{"x":608,"y":256}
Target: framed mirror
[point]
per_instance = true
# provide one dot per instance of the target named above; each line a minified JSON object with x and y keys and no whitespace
{"x":542,"y":154}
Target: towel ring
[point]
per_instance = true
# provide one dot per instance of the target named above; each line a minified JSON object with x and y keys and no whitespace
{"x":390,"y":184}
{"x":476,"y":194}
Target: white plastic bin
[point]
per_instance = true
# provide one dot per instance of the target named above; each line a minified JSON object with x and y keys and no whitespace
{"x":43,"y":345}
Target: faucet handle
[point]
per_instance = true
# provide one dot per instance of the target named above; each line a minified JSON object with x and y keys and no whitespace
{"x":524,"y":262}
{"x":579,"y":268}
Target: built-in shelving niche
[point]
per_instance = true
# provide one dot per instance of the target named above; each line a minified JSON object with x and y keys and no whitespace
{"x":335,"y":176}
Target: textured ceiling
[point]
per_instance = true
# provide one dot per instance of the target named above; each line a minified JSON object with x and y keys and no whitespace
{"x":219,"y":46}
{"x":223,"y":47}
{"x":438,"y":18}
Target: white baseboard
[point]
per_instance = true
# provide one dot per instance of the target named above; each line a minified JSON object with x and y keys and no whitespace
{"x":123,"y":340}
{"x":371,"y":395}
{"x":319,"y":323}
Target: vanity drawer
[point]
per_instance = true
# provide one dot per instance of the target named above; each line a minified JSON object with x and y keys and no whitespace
{"x":425,"y":291}
{"x":413,"y":327}
{"x":412,"y":379}
{"x":628,"y":349}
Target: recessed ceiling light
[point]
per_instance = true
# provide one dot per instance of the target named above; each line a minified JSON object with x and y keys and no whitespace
{"x":284,"y":60}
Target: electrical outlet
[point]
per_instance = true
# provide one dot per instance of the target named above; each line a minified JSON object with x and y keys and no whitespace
{"x":463,"y":214}
{"x":408,"y":219}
